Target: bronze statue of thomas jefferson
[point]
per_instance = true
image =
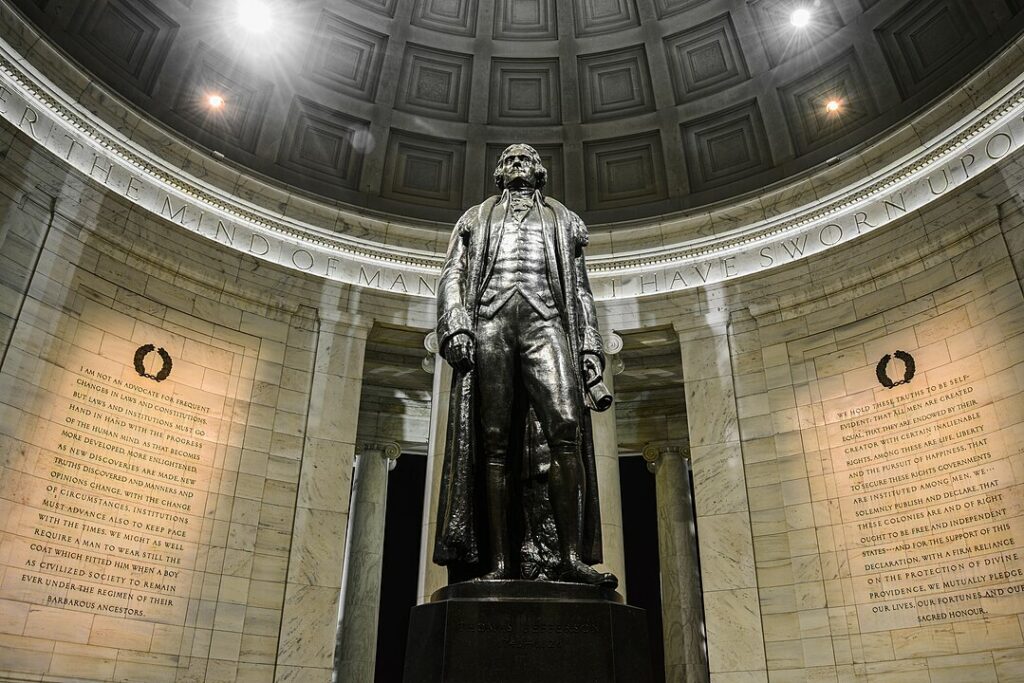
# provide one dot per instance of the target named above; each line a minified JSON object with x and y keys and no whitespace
{"x":516,"y":322}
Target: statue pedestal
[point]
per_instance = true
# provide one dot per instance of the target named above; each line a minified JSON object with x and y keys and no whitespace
{"x":527,"y":632}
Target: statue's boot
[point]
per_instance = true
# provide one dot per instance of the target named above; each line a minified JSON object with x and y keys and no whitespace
{"x":567,"y":509}
{"x":497,"y":521}
{"x":578,"y":572}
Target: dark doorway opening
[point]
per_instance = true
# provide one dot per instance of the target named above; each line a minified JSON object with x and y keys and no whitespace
{"x":402,"y":528}
{"x":640,"y":532}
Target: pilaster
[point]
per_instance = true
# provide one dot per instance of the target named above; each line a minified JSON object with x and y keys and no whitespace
{"x":732,"y":608}
{"x":310,"y":620}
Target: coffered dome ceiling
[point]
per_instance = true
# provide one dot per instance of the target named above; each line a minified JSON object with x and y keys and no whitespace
{"x":638,"y":107}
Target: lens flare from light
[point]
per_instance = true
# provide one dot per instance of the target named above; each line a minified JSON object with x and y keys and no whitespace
{"x":215,"y":101}
{"x":800,"y":18}
{"x":833,"y":106}
{"x":254,"y":16}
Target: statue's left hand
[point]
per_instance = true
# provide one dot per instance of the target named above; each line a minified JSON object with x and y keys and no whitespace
{"x":591,"y":365}
{"x":597,"y":396}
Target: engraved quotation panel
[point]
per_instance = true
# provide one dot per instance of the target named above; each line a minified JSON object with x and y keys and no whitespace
{"x":921,"y":478}
{"x":929,"y":515}
{"x":106,"y":505}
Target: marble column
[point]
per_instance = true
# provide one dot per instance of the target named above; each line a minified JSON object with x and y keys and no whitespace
{"x":356,"y":650}
{"x":606,"y":450}
{"x":432,"y":576}
{"x":682,"y":605}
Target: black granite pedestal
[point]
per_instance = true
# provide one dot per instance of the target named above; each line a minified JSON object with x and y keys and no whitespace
{"x":527,"y":632}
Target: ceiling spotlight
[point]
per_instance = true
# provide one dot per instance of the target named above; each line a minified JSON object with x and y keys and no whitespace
{"x":254,"y":15}
{"x":215,"y":101}
{"x":800,"y":17}
{"x":833,"y":106}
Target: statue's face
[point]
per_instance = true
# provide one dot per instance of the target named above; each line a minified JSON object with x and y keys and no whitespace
{"x":519,"y":167}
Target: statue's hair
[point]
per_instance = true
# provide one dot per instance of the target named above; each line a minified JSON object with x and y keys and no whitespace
{"x":540,"y":174}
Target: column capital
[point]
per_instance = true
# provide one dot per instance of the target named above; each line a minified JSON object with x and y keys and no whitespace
{"x":389,"y":450}
{"x":652,"y":456}
{"x":429,"y":362}
{"x":655,"y":453}
{"x":430,"y":342}
{"x":612,"y":343}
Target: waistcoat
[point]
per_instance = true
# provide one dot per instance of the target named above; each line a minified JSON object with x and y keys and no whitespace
{"x":520,"y":265}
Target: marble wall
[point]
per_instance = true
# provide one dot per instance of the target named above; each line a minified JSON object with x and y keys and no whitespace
{"x":878,"y":396}
{"x":881,"y":423}
{"x":177,"y":428}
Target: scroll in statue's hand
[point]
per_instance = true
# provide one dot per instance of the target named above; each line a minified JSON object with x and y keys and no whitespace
{"x":459,"y":352}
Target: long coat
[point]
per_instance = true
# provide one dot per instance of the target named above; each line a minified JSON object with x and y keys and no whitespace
{"x":460,"y":516}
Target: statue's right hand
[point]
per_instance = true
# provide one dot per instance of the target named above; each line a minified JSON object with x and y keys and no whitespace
{"x":459,"y":352}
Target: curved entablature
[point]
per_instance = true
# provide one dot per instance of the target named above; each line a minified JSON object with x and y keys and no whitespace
{"x":387,"y":257}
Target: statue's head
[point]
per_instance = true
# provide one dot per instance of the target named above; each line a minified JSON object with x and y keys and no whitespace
{"x":519,"y":165}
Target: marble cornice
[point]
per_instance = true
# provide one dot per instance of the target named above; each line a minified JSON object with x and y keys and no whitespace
{"x":95,"y":148}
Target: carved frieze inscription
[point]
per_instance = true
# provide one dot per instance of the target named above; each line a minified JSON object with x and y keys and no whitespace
{"x":715,"y":247}
{"x":110,"y":498}
{"x":924,"y":485}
